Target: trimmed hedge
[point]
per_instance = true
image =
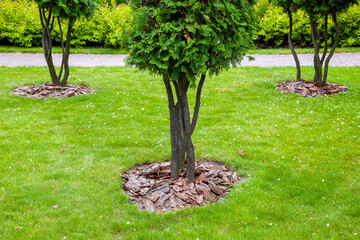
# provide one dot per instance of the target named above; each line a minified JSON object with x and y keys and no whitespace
{"x":273,"y":26}
{"x":110,"y":27}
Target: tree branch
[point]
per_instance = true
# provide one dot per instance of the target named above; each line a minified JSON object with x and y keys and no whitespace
{"x":197,"y":103}
{"x":297,"y":62}
{"x":337,"y":36}
{"x":325,"y":40}
{"x":62,"y":48}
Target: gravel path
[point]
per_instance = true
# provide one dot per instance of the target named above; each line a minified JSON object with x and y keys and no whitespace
{"x":87,"y":60}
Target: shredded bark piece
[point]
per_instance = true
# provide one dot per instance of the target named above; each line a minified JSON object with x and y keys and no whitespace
{"x":310,"y":88}
{"x":47,"y":90}
{"x":152,"y":189}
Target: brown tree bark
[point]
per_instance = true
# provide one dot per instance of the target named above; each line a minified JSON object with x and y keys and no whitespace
{"x":297,"y":62}
{"x":316,"y":43}
{"x":181,"y":126}
{"x":47,"y":21}
{"x":336,"y":41}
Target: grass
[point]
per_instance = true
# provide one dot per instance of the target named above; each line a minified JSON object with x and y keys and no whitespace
{"x":302,"y":157}
{"x":99,"y":50}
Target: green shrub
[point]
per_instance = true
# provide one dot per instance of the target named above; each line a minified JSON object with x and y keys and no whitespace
{"x":349,"y":27}
{"x":273,"y":26}
{"x":19,"y":23}
{"x":110,"y":27}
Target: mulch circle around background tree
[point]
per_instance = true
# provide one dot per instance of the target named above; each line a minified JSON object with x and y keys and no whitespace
{"x":152,"y":189}
{"x":47,"y":90}
{"x":310,"y":88}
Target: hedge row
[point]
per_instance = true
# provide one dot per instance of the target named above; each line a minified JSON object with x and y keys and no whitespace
{"x":110,"y":27}
{"x":20,"y":25}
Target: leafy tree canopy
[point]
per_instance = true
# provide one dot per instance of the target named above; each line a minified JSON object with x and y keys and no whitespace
{"x":184,"y":39}
{"x":69,"y":8}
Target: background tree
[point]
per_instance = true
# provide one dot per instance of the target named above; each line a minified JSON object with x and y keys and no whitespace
{"x":289,"y":7}
{"x":320,"y":10}
{"x":60,"y":12}
{"x":183,"y":41}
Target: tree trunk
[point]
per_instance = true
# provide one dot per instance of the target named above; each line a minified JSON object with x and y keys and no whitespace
{"x":316,"y":43}
{"x":336,"y":41}
{"x":66,"y":53}
{"x":189,"y":147}
{"x":181,"y":128}
{"x":297,"y":63}
{"x":174,"y":135}
{"x":47,"y":22}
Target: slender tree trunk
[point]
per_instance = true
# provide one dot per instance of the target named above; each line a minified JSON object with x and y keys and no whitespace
{"x":66,"y":54}
{"x":181,"y":128}
{"x":189,"y":147}
{"x":297,"y":63}
{"x":174,"y":135}
{"x":197,"y":103}
{"x":325,"y":41}
{"x":316,"y":43}
{"x":336,"y":41}
{"x":47,"y":22}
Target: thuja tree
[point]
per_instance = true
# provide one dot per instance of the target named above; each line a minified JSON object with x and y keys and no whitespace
{"x":182,"y":41}
{"x":289,"y":7}
{"x":321,"y":10}
{"x":61,"y":12}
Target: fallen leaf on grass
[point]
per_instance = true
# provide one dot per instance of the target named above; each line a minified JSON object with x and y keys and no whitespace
{"x":18,"y":227}
{"x":242,"y":153}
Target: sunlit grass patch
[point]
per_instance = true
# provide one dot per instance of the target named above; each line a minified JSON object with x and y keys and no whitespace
{"x":302,"y":157}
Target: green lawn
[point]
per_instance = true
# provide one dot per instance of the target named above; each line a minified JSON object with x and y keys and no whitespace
{"x":302,"y":157}
{"x":99,"y":50}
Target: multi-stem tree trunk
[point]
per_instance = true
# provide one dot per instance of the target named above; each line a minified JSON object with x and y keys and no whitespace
{"x":335,"y":43}
{"x":297,"y":63}
{"x":47,"y":21}
{"x":319,"y":76}
{"x":181,"y":126}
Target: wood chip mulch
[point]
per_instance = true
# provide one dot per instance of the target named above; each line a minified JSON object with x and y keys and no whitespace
{"x":47,"y":90}
{"x":152,"y":189}
{"x":310,"y":88}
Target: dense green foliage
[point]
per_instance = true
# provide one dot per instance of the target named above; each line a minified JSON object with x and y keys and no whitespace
{"x":189,"y":38}
{"x":19,"y":23}
{"x":273,"y":26}
{"x":70,"y":8}
{"x":110,"y":27}
{"x":19,"y":26}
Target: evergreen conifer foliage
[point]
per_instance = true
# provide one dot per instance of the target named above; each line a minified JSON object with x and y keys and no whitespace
{"x":57,"y":12}
{"x":182,"y":41}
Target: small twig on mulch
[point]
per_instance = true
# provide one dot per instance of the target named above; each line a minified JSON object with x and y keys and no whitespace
{"x":151,"y":188}
{"x":310,"y":89}
{"x":47,"y":90}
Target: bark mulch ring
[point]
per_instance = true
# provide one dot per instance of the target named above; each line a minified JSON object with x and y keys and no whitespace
{"x":310,"y":89}
{"x":47,"y":90}
{"x":151,"y":188}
